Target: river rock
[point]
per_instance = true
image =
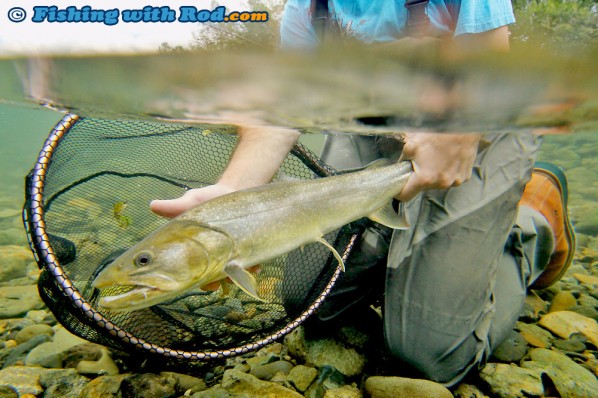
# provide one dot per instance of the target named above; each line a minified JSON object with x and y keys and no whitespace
{"x":575,"y":343}
{"x":16,"y":301}
{"x":239,"y":384}
{"x":535,"y":335}
{"x":569,"y":378}
{"x":301,"y":377}
{"x":15,"y":262}
{"x":562,"y":301}
{"x":589,"y":280}
{"x":324,"y":351}
{"x":185,"y":382}
{"x":18,"y":354}
{"x":63,"y":385}
{"x":588,"y":301}
{"x":269,"y":370}
{"x":103,"y":366}
{"x":565,"y":323}
{"x":534,"y":306}
{"x":401,"y":387}
{"x":26,"y":380}
{"x":8,"y":392}
{"x":344,"y":392}
{"x":511,"y":381}
{"x":104,"y":387}
{"x":31,"y":331}
{"x":468,"y":391}
{"x":148,"y":385}
{"x":13,"y":236}
{"x":512,"y":349}
{"x":72,"y":356}
{"x":328,"y":379}
{"x":51,"y":354}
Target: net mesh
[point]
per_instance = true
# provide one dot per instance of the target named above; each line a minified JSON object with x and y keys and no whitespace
{"x":87,"y":202}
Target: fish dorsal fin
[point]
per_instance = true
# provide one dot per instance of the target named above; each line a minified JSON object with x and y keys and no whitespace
{"x":338,"y":256}
{"x":387,"y":216}
{"x":242,"y":278}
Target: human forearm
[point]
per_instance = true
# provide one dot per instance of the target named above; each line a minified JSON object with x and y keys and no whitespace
{"x":258,"y":155}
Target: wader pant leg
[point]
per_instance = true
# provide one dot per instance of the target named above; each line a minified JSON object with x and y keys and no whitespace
{"x":457,"y":279}
{"x":363,"y":280}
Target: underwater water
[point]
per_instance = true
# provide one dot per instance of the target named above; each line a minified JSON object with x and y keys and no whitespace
{"x":193,"y":90}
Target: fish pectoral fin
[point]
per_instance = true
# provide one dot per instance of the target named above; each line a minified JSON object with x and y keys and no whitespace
{"x":242,"y":278}
{"x":387,"y":216}
{"x":338,"y":256}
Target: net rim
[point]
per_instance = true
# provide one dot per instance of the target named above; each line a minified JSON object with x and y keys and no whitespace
{"x":33,"y":216}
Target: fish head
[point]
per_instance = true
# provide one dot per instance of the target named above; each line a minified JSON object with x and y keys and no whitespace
{"x":178,"y":256}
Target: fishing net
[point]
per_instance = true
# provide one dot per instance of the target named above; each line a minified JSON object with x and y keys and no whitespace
{"x":87,"y":201}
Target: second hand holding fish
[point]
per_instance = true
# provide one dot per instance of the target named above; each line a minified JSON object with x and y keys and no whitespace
{"x":225,"y":236}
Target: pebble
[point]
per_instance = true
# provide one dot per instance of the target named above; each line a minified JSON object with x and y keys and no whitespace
{"x":301,"y":377}
{"x":575,"y":343}
{"x":18,"y":354}
{"x":235,"y":383}
{"x":50,"y":354}
{"x":513,"y":349}
{"x":590,"y":280}
{"x":269,"y":370}
{"x":565,"y":323}
{"x":26,"y":379}
{"x":348,"y":391}
{"x":103,"y":366}
{"x":468,"y":391}
{"x":148,"y":385}
{"x":511,"y":381}
{"x":562,"y":301}
{"x":8,"y":392}
{"x":104,"y":387}
{"x":16,"y":301}
{"x":15,"y":261}
{"x":569,"y":378}
{"x":81,"y":352}
{"x":328,"y":379}
{"x":401,"y":387}
{"x":534,"y":335}
{"x":29,"y":332}
{"x":65,"y":386}
{"x":536,"y":305}
{"x":185,"y":382}
{"x":325,"y":351}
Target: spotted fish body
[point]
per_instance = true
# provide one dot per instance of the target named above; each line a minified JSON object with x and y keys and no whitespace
{"x":226,"y":235}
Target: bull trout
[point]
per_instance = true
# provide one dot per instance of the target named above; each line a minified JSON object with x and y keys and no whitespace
{"x":225,"y":236}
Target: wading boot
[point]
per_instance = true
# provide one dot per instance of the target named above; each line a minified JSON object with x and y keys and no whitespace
{"x":547,"y":193}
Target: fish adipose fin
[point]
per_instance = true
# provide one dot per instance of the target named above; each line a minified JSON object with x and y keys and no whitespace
{"x":338,"y":256}
{"x":242,"y":278}
{"x":387,"y":216}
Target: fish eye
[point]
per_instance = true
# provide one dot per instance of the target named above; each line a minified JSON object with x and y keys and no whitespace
{"x":143,"y":259}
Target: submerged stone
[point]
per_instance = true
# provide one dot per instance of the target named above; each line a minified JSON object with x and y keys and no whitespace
{"x":512,"y":349}
{"x":511,"y":381}
{"x":565,"y":323}
{"x":569,"y":378}
{"x":236,"y":383}
{"x":401,"y":387}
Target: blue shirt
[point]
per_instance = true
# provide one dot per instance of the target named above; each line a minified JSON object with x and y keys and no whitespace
{"x":376,"y":21}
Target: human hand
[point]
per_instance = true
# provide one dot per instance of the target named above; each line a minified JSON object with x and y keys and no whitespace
{"x":440,"y":161}
{"x":173,"y":207}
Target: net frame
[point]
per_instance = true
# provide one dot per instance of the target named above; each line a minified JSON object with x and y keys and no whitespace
{"x":54,"y":280}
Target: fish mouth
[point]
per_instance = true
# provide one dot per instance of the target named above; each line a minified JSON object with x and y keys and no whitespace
{"x":137,"y":297}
